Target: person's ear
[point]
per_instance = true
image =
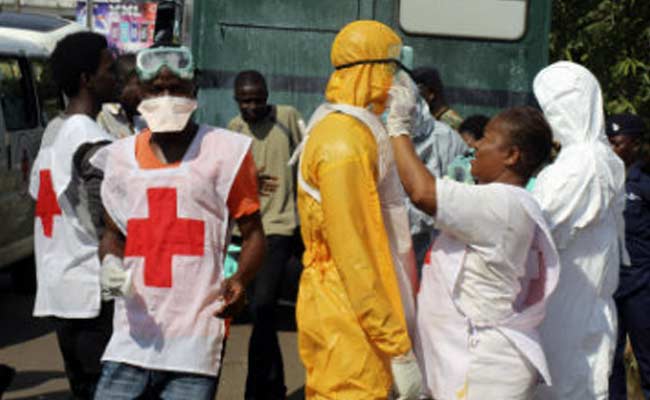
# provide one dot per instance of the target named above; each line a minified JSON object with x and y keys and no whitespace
{"x":513,"y":157}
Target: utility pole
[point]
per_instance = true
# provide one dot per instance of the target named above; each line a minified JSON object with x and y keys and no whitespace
{"x":89,"y":14}
{"x":18,"y":6}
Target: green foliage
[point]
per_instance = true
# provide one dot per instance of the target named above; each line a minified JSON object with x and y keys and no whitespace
{"x":612,"y":39}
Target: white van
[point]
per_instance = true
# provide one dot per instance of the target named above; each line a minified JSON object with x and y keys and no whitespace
{"x":28,"y":100}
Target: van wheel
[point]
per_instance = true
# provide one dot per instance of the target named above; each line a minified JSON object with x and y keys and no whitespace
{"x":23,"y":276}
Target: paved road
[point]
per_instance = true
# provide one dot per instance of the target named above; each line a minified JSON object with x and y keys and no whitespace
{"x":29,"y":345}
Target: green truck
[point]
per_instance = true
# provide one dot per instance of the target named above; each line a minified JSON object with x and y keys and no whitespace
{"x":487,"y":51}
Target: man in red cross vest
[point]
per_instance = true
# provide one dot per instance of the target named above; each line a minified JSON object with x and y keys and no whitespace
{"x":170,"y":194}
{"x":68,"y":214}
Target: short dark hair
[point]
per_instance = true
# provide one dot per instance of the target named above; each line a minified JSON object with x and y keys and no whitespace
{"x":430,"y":78}
{"x":530,"y":132}
{"x":474,"y":125}
{"x":74,"y":55}
{"x":250,"y":77}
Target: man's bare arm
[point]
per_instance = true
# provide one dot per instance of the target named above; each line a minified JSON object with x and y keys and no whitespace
{"x":253,"y":247}
{"x":250,"y":261}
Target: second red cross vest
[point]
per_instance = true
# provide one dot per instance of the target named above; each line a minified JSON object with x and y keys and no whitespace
{"x":67,"y":266}
{"x":176,"y":225}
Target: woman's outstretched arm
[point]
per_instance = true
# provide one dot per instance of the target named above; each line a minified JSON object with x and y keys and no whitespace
{"x":419,"y":183}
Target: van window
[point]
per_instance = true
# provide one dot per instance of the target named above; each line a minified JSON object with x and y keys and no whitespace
{"x":485,"y":19}
{"x":49,"y":95}
{"x":15,"y":97}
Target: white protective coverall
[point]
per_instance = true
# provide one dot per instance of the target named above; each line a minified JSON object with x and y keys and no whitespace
{"x":582,"y":197}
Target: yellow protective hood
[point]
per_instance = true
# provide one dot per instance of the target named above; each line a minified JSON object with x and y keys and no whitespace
{"x":364,"y":84}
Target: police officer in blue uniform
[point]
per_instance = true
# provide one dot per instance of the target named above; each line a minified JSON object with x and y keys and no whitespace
{"x":632,"y":298}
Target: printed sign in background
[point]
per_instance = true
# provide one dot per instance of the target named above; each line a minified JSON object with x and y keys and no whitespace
{"x":128,"y":26}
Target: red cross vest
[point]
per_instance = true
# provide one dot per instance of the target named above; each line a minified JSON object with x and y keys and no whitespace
{"x":67,"y":266}
{"x":176,"y":225}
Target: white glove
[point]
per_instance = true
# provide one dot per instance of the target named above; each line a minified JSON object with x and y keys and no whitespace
{"x":407,"y":379}
{"x":114,"y":279}
{"x":402,"y":100}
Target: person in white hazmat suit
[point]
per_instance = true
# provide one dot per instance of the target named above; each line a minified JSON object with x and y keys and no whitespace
{"x":582,"y":197}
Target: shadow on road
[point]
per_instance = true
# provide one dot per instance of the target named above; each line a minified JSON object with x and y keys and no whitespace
{"x":297,"y":395}
{"x":16,"y":316}
{"x":59,"y":395}
{"x":28,"y":379}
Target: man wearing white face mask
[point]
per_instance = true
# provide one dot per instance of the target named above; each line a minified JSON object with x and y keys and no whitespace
{"x":170,"y":193}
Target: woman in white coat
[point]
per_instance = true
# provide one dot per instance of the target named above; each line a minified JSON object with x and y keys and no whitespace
{"x":487,"y":277}
{"x":582,"y":196}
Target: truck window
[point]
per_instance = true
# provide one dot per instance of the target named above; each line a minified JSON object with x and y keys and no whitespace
{"x":49,"y":95}
{"x":15,"y":97}
{"x":484,"y":19}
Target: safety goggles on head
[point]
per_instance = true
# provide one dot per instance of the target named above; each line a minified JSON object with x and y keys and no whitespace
{"x":405,"y":60}
{"x":179,"y":60}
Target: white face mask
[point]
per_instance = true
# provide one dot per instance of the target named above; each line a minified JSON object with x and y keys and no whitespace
{"x":167,"y":113}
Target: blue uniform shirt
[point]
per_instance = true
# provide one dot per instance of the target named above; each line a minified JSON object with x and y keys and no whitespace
{"x":637,"y":231}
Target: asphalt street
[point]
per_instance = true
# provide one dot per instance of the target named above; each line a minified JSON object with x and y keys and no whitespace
{"x":29,"y":345}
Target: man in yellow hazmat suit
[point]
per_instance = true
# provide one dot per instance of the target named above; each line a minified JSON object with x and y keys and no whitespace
{"x":352,"y":328}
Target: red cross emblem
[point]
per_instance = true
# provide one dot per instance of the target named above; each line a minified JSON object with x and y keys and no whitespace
{"x":162,"y":236}
{"x":46,"y":204}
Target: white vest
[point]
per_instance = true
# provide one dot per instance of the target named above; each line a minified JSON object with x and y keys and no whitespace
{"x":67,"y":266}
{"x":176,"y":225}
{"x":392,"y":199}
{"x":450,"y":332}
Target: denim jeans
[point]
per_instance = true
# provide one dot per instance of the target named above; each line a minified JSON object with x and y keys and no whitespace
{"x":121,"y":381}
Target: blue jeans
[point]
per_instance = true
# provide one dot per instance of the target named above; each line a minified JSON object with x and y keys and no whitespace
{"x":121,"y":381}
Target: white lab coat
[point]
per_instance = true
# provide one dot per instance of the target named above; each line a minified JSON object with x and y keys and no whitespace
{"x":484,"y":290}
{"x":582,"y":197}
